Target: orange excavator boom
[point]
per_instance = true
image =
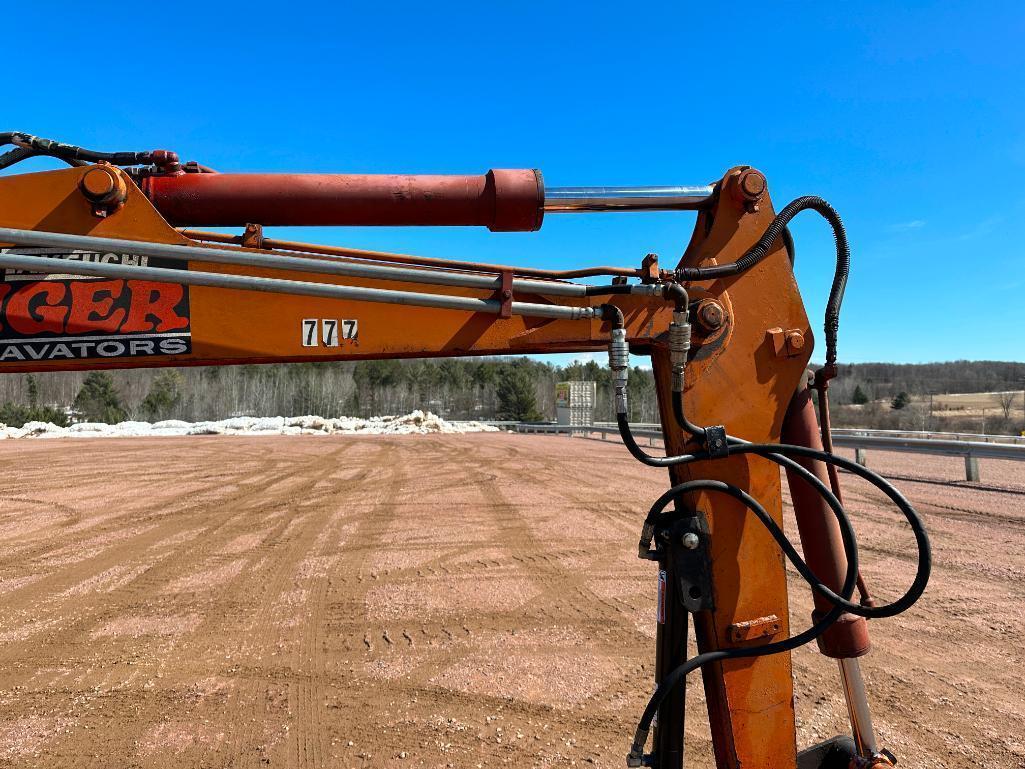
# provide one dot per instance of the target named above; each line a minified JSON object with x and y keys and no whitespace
{"x":101,"y":271}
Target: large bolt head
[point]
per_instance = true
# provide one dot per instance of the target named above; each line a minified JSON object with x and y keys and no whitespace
{"x":691,"y":541}
{"x":711,"y":316}
{"x":104,"y":188}
{"x":99,"y":184}
{"x":752,"y":183}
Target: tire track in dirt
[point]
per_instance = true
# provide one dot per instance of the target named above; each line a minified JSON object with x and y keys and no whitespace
{"x":284,"y":559}
{"x":44,"y":592}
{"x":459,"y":598}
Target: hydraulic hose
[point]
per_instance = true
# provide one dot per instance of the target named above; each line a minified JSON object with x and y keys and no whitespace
{"x":781,"y":454}
{"x":32,"y":146}
{"x":716,"y":444}
{"x":776,"y":229}
{"x":788,"y":244}
{"x":16,"y":155}
{"x":841,"y":603}
{"x":670,"y":681}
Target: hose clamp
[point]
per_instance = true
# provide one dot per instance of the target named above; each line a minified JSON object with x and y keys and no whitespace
{"x":716,"y":443}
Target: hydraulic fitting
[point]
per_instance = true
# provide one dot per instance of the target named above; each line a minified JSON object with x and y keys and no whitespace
{"x":619,"y":363}
{"x":679,"y":346}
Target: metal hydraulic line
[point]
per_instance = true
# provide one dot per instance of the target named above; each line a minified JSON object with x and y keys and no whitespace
{"x":49,"y":265}
{"x":284,"y":262}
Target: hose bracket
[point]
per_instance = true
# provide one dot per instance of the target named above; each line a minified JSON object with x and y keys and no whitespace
{"x":682,"y":550}
{"x":715,"y":442}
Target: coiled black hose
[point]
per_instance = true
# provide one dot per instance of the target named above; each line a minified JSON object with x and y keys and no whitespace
{"x":670,"y":681}
{"x":781,"y":454}
{"x":841,"y":602}
{"x":776,"y":229}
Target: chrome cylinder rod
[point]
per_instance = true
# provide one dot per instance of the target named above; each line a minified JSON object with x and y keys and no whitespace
{"x":579,"y":199}
{"x":857,"y":707}
{"x":51,"y":266}
{"x":298,"y":263}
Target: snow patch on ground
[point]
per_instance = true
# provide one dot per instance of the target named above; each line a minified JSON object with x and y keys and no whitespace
{"x":414,"y":423}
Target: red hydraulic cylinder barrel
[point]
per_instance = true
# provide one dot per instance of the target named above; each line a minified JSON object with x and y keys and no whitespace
{"x":820,"y":532}
{"x":501,"y":200}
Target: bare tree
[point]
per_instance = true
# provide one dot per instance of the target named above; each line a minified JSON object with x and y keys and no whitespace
{"x":1006,"y":402}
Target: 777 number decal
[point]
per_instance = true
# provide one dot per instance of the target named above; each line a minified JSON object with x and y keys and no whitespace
{"x":328,"y":332}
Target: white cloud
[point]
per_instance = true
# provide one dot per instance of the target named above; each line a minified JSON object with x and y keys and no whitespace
{"x":913,"y":224}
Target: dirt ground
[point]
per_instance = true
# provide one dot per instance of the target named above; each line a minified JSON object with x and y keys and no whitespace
{"x":439,"y":601}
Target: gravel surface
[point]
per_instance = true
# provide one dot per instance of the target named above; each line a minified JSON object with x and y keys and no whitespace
{"x":436,"y":601}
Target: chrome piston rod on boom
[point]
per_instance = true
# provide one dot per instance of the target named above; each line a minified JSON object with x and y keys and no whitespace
{"x":569,"y":200}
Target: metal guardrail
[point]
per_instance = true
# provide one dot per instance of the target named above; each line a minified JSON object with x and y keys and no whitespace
{"x":859,"y":440}
{"x":932,"y":435}
{"x":926,"y":434}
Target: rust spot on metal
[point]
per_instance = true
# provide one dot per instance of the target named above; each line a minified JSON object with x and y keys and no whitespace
{"x":253,"y":236}
{"x":754,"y":628}
{"x":786,"y":344}
{"x":710,"y":315}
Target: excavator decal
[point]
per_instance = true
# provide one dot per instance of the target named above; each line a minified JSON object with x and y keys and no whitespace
{"x":66,"y":317}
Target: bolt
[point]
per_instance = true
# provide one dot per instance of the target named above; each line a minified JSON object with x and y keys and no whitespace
{"x":507,"y":295}
{"x":690,"y":540}
{"x":752,"y":183}
{"x":795,"y":342}
{"x":710,"y":315}
{"x":99,"y":184}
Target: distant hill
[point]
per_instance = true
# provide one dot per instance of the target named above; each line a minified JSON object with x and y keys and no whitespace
{"x":885,"y":380}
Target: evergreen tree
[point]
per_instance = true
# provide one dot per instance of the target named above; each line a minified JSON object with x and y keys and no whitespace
{"x":516,"y":398}
{"x":859,"y":398}
{"x":164,"y":396}
{"x":99,"y":400}
{"x":32,"y":388}
{"x":14,"y":415}
{"x":900,"y":400}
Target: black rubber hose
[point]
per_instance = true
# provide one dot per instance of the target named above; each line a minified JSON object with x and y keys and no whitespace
{"x":765,"y":243}
{"x":16,"y":155}
{"x":682,"y":421}
{"x":71,"y":153}
{"x":782,"y":453}
{"x":788,"y":244}
{"x":669,"y":682}
{"x":638,"y":453}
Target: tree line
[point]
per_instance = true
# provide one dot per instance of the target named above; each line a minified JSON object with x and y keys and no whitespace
{"x":521,"y":389}
{"x":464,"y":388}
{"x":884,"y":381}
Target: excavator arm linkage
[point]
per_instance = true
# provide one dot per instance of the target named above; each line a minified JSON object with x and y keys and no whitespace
{"x":98,"y":275}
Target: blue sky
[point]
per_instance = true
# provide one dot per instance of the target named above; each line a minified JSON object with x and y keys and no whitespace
{"x":910,"y":120}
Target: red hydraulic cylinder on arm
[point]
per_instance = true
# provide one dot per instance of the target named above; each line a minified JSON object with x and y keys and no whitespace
{"x":502,"y":200}
{"x":820,"y":532}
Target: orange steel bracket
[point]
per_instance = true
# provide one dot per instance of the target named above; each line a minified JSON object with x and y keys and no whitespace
{"x":747,"y":387}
